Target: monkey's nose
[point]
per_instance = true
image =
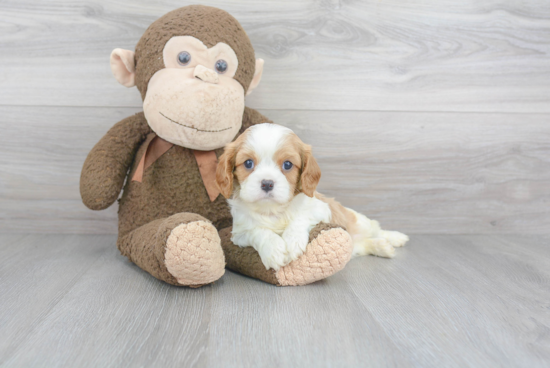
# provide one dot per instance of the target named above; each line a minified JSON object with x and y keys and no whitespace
{"x":267,"y":185}
{"x":205,"y":74}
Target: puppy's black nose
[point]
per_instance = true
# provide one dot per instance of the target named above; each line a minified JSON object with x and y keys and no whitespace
{"x":267,"y":185}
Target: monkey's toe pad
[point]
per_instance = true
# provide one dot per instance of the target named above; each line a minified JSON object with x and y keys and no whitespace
{"x":194,"y":255}
{"x":325,"y":255}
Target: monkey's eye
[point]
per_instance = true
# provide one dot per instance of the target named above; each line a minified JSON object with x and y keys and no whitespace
{"x":221,"y":66}
{"x":249,"y":164}
{"x":287,"y":165}
{"x":184,"y":58}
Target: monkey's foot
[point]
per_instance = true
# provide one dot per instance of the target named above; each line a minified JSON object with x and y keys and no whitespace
{"x":193,"y":254}
{"x":328,"y":251}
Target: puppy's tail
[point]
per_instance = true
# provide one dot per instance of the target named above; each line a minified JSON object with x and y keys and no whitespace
{"x":369,"y":238}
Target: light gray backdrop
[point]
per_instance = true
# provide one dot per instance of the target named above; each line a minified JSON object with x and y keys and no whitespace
{"x":431,"y":116}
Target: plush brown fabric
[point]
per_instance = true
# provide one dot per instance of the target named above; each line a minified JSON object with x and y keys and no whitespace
{"x":107,"y":163}
{"x":145,"y":246}
{"x":245,"y":260}
{"x":170,"y":187}
{"x":210,"y":25}
{"x":173,"y":184}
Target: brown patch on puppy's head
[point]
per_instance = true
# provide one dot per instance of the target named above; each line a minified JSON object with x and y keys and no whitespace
{"x":226,"y":166}
{"x":311,"y":172}
{"x":305,"y":174}
{"x":291,"y":150}
{"x":244,"y":154}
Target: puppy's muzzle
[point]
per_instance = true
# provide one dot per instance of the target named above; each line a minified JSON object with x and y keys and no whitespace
{"x":267,"y":185}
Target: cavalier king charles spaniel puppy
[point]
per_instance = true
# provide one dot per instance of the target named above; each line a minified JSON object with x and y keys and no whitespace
{"x":269,"y":177}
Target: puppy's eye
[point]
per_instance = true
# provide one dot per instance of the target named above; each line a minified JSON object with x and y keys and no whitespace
{"x":184,"y":58}
{"x":221,"y":66}
{"x":287,"y":165}
{"x":249,"y":164}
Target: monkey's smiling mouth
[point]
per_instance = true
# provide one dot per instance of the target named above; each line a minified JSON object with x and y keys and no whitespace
{"x":191,"y":127}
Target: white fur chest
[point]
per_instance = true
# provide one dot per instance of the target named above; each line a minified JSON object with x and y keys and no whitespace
{"x":250,"y":216}
{"x":247,"y":217}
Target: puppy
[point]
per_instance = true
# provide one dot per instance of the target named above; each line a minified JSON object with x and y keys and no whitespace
{"x":269,"y":177}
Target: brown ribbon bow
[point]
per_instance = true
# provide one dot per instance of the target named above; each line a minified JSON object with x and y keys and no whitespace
{"x":206,"y":160}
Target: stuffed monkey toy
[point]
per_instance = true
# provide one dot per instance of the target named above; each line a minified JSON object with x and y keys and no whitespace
{"x":193,"y":67}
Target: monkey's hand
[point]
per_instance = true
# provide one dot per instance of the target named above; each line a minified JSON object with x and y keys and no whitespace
{"x":107,"y":163}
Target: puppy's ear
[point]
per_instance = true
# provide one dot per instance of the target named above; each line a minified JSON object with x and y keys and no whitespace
{"x":311,"y":172}
{"x":224,"y":171}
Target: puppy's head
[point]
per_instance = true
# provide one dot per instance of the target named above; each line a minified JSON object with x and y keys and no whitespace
{"x":268,"y":162}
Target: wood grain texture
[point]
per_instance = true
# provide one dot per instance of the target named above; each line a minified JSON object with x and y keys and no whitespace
{"x":415,"y":172}
{"x":450,"y":301}
{"x":470,"y":295}
{"x":35,"y":274}
{"x":435,"y":55}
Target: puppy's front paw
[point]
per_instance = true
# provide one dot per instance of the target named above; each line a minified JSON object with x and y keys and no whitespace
{"x":296,"y":243}
{"x":273,"y":254}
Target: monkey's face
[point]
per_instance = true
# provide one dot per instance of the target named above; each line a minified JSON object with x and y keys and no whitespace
{"x":194,"y":101}
{"x":186,"y":67}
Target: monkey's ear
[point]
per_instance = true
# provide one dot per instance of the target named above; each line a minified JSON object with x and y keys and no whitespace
{"x":123,"y":66}
{"x":257,"y":76}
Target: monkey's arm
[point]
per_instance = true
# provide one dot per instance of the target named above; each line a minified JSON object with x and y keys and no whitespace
{"x":107,"y":163}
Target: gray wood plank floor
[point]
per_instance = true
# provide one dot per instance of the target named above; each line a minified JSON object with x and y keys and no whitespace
{"x":453,"y":301}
